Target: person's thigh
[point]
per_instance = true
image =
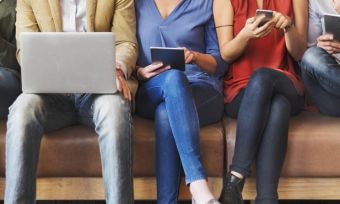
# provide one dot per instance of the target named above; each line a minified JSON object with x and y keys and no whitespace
{"x":150,"y":95}
{"x":50,"y":111}
{"x":10,"y":89}
{"x":266,"y":82}
{"x":231,"y":109}
{"x":209,"y":103}
{"x":327,"y":103}
{"x":93,"y":109}
{"x":324,"y":68}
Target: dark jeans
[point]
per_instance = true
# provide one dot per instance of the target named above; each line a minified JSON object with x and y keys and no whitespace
{"x":179,"y":109}
{"x":321,"y":75}
{"x":263,"y":110}
{"x":10,"y":88}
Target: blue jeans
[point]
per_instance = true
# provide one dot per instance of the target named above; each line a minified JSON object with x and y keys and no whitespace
{"x":31,"y":115}
{"x":10,"y":89}
{"x":321,"y":75}
{"x":179,"y":109}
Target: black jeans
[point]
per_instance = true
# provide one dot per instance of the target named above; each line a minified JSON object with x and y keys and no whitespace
{"x":321,"y":75}
{"x":263,"y":110}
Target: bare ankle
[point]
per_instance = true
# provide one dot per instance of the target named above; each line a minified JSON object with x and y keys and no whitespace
{"x":238,"y":175}
{"x":200,"y":191}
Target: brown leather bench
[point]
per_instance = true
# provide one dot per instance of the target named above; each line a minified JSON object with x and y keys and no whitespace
{"x":70,"y":169}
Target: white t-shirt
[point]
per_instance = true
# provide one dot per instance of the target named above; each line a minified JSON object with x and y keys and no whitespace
{"x":73,"y":15}
{"x":317,"y":9}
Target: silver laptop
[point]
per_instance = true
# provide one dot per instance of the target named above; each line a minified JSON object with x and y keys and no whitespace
{"x":68,"y":62}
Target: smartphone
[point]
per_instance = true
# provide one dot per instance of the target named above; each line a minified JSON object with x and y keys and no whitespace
{"x":267,"y":13}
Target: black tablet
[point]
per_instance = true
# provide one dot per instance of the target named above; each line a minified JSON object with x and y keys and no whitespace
{"x":332,"y":25}
{"x":169,"y":56}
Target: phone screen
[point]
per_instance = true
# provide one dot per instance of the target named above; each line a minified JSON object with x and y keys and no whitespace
{"x":267,"y":13}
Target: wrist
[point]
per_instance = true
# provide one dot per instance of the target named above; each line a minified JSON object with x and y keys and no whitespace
{"x":244,"y":36}
{"x":138,"y":74}
{"x":289,"y":26}
{"x":195,"y":57}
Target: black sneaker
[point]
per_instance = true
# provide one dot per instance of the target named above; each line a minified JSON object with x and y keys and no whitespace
{"x":232,"y":190}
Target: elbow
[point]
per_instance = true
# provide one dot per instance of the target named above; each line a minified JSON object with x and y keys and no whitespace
{"x":298,"y":53}
{"x":227,"y":58}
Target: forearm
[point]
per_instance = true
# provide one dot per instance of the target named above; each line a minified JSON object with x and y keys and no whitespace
{"x":295,"y":42}
{"x":126,"y":53}
{"x":233,"y":49}
{"x":205,"y":62}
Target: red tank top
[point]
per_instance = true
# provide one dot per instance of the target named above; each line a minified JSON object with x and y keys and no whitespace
{"x":270,"y":51}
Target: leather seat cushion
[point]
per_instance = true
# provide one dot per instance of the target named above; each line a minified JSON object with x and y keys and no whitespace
{"x":74,"y":151}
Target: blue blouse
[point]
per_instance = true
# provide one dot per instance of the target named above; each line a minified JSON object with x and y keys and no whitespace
{"x":189,"y":25}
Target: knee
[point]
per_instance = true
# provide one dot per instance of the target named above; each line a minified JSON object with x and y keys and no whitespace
{"x":9,"y":84}
{"x":311,"y":59}
{"x":25,"y":107}
{"x":261,"y":78}
{"x":111,"y":108}
{"x":25,"y":114}
{"x":9,"y":80}
{"x":174,"y":80}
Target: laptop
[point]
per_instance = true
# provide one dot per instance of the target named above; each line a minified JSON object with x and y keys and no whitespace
{"x":68,"y":62}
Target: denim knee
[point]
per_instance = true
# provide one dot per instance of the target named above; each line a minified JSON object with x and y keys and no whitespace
{"x":174,"y":82}
{"x":26,"y":109}
{"x":312,"y":59}
{"x":111,"y":113}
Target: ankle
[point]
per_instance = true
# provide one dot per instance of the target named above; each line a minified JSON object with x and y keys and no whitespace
{"x":236,"y":174}
{"x":200,"y":191}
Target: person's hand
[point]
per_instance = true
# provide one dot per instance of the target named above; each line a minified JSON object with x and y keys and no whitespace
{"x":189,"y":56}
{"x":252,"y":30}
{"x":152,"y":70}
{"x":328,"y":43}
{"x":121,"y":83}
{"x":337,"y":5}
{"x":281,"y":21}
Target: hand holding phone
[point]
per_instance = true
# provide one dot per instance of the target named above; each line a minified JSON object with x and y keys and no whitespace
{"x":268,"y":16}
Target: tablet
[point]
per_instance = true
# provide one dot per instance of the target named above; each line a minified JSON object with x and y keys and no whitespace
{"x":332,"y":25}
{"x":169,"y":56}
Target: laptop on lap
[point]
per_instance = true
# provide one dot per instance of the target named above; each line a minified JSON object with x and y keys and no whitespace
{"x":68,"y":62}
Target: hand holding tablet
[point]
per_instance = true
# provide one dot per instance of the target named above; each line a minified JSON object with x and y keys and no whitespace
{"x":332,"y":25}
{"x":174,"y":57}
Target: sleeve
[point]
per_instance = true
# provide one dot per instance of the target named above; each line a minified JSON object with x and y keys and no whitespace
{"x":213,"y":49}
{"x":26,"y":22}
{"x":124,"y":27}
{"x":315,"y":24}
{"x":8,"y":55}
